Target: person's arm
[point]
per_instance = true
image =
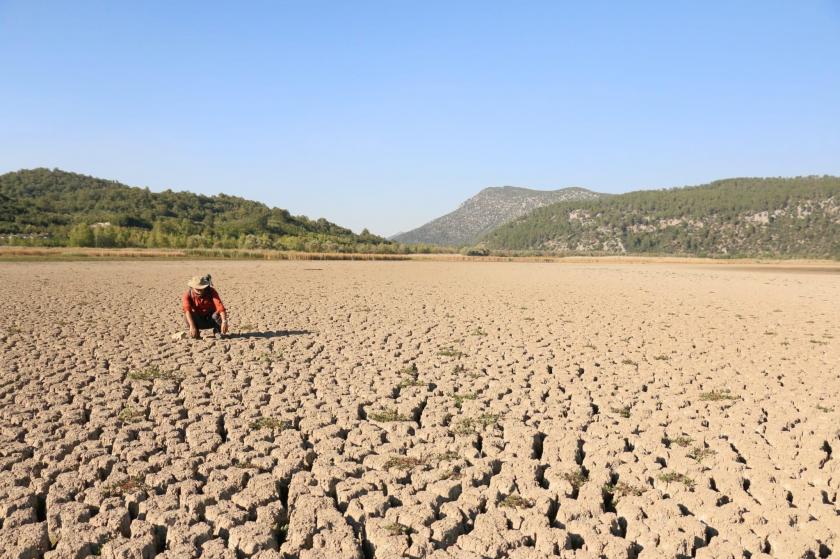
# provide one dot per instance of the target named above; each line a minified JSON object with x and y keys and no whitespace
{"x":193,"y":329}
{"x":220,"y":308}
{"x":188,"y":315}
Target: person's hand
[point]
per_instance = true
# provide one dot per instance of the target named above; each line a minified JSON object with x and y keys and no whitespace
{"x":193,"y":332}
{"x":224,"y":327}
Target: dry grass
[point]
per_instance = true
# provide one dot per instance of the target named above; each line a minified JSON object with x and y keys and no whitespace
{"x":515,"y":501}
{"x":682,"y":440}
{"x":620,"y":490}
{"x":403,"y":463}
{"x":125,"y":487}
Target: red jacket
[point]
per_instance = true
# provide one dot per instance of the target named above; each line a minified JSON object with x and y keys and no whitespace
{"x":204,"y":304}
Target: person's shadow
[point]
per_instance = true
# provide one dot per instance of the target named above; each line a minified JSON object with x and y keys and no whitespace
{"x":270,"y":334}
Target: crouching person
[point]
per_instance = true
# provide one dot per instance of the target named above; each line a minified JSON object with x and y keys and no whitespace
{"x":203,"y":308}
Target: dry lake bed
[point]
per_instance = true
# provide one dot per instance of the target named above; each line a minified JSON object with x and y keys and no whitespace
{"x":420,"y":409}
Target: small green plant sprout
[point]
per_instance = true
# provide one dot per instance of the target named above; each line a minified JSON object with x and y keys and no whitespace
{"x":576,"y":478}
{"x":125,"y":487}
{"x":470,"y":426}
{"x":478,"y":332}
{"x":269,"y":423}
{"x":461,"y":398}
{"x":450,"y":351}
{"x":387,"y":415}
{"x":281,"y":530}
{"x":515,"y":501}
{"x":674,"y":477}
{"x":623,"y":411}
{"x":620,"y":490}
{"x":824,"y":409}
{"x":682,"y":440}
{"x":661,"y":357}
{"x":409,"y":375}
{"x":130,"y":415}
{"x":397,"y":529}
{"x":718,"y":395}
{"x":410,"y":381}
{"x":153,"y":372}
{"x":465,"y":426}
{"x":699,"y":454}
{"x":403,"y":463}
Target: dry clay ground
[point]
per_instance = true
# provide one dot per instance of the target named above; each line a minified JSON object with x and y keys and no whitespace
{"x":420,"y":410}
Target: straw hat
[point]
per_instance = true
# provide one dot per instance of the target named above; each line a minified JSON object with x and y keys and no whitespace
{"x":200,"y":282}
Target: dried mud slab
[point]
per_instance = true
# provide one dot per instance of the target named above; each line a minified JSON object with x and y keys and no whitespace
{"x":420,"y":409}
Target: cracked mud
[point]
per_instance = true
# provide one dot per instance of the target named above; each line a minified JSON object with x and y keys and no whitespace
{"x":420,"y":409}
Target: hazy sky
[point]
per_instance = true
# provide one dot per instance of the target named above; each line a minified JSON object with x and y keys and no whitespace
{"x":387,"y":114}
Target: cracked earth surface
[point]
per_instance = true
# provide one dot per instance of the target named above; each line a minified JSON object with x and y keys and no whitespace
{"x":420,"y":409}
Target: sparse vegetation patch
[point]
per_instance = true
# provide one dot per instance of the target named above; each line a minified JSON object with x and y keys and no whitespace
{"x":130,"y":415}
{"x":387,"y":415}
{"x":718,"y":395}
{"x":269,"y":423}
{"x":682,"y":440}
{"x":125,"y":487}
{"x":674,"y":477}
{"x":623,"y":411}
{"x":461,"y":398}
{"x":620,"y":490}
{"x":450,"y":351}
{"x":403,"y":463}
{"x":397,"y":529}
{"x":699,"y":454}
{"x":515,"y":501}
{"x":153,"y":372}
{"x":576,"y":478}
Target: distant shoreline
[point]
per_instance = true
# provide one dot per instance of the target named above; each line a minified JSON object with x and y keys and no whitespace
{"x":38,"y":254}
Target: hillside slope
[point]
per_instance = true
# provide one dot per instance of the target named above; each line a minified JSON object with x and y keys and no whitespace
{"x":486,"y":211}
{"x":61,"y":208}
{"x":784,"y":217}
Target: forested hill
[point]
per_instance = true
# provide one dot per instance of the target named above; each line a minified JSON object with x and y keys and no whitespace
{"x":54,"y":207}
{"x":783,"y":217}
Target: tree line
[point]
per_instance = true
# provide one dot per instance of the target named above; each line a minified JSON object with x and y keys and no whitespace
{"x":56,"y":208}
{"x":783,"y":217}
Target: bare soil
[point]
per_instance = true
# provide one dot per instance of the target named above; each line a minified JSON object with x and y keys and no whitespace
{"x":420,"y":409}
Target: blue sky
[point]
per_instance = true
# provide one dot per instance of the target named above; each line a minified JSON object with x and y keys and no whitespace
{"x":387,"y":114}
